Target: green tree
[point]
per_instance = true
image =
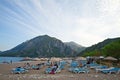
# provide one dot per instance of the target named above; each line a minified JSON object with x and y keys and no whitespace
{"x":112,"y":49}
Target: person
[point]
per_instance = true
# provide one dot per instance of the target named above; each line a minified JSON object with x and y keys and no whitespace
{"x":56,"y":65}
{"x":28,"y":64}
{"x":11,"y":61}
{"x":53,"y":70}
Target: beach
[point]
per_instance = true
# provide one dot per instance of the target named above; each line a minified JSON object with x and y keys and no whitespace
{"x":5,"y":74}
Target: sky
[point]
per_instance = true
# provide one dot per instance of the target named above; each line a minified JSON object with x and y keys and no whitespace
{"x":85,"y":22}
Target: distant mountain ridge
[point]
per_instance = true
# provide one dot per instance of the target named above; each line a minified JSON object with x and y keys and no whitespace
{"x":41,"y":46}
{"x":46,"y":46}
{"x":78,"y":48}
{"x":98,"y":46}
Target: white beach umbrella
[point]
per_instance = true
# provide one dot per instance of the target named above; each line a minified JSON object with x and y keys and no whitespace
{"x":80,"y":58}
{"x":55,"y":59}
{"x":110,"y":58}
{"x":43,"y":59}
{"x":26,"y":59}
{"x":36,"y":59}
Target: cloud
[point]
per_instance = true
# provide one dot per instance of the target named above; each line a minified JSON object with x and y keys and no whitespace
{"x":83,"y":21}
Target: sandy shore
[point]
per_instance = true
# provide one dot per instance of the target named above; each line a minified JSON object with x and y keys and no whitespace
{"x":5,"y":74}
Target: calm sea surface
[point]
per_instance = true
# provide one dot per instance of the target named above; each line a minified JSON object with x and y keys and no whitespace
{"x":9,"y":59}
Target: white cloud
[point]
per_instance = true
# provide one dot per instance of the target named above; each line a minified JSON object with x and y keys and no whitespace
{"x":86,"y":29}
{"x":85,"y":22}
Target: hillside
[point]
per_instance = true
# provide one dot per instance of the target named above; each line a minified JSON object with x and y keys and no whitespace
{"x":109,"y":47}
{"x":78,"y":48}
{"x":41,"y":46}
{"x":112,"y":49}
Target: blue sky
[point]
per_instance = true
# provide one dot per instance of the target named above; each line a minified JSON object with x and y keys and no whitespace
{"x":85,"y":22}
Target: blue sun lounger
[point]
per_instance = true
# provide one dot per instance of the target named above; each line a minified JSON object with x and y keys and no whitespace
{"x":35,"y":67}
{"x":99,"y":68}
{"x":113,"y":70}
{"x":74,"y":64}
{"x":48,"y":70}
{"x":83,"y":70}
{"x":80,"y":70}
{"x":19,"y":70}
{"x":62,"y":65}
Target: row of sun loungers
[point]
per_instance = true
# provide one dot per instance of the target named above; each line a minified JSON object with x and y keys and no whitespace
{"x":98,"y":68}
{"x":104,"y":69}
{"x":26,"y":68}
{"x":111,"y":70}
{"x":74,"y":68}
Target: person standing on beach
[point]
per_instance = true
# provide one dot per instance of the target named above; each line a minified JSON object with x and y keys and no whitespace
{"x":11,"y":61}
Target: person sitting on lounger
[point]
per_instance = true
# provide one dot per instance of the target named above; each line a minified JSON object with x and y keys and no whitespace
{"x":53,"y":70}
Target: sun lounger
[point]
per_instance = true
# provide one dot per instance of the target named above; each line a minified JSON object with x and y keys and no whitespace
{"x":71,"y":69}
{"x":112,"y":70}
{"x":58,"y":70}
{"x":105,"y":69}
{"x":79,"y":70}
{"x":99,"y":68}
{"x":118,"y":71}
{"x":115,"y":70}
{"x":27,"y":67}
{"x":48,"y":63}
{"x":19,"y":70}
{"x":83,"y":70}
{"x":35,"y":67}
{"x":75,"y":70}
{"x":74,"y":64}
{"x":48,"y":70}
{"x":93,"y":65}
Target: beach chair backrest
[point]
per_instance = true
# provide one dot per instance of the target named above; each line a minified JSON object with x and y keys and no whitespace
{"x":74,"y":64}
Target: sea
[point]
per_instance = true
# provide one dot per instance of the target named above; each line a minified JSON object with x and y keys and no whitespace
{"x":10,"y":59}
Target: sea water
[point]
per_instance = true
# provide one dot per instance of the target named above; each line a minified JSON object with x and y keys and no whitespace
{"x":10,"y":59}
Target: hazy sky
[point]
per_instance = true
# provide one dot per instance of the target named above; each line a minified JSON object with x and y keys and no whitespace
{"x":85,"y":22}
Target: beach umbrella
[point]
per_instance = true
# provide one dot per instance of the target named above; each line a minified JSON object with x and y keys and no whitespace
{"x":36,"y":59}
{"x":55,"y":59}
{"x":26,"y":59}
{"x":80,"y":58}
{"x":109,"y":58}
{"x":88,"y":57}
{"x":101,"y":57}
{"x":43,"y":59}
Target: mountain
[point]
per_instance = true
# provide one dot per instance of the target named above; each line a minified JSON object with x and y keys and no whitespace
{"x":41,"y":46}
{"x":78,"y":48}
{"x":98,"y":47}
